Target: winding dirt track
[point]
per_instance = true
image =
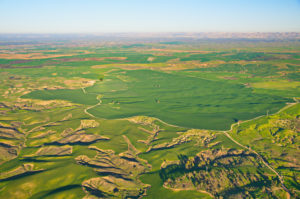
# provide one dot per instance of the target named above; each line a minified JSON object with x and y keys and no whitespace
{"x":261,"y":159}
{"x":280,"y":177}
{"x":93,"y":106}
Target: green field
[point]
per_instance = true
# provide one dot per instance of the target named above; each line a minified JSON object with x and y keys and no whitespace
{"x":176,"y":99}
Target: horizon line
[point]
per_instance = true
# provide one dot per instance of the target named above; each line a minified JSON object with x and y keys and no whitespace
{"x":147,"y":32}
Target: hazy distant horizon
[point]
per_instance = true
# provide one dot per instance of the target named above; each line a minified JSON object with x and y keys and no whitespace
{"x":174,"y":35}
{"x":145,"y":32}
{"x":115,"y":16}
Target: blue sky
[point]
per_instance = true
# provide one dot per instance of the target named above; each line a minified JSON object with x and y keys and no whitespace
{"x":96,"y":16}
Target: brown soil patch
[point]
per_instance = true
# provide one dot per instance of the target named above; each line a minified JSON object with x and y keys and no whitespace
{"x":179,"y":51}
{"x":227,"y":77}
{"x":82,"y":82}
{"x":92,"y":59}
{"x":30,"y":56}
{"x":54,"y":151}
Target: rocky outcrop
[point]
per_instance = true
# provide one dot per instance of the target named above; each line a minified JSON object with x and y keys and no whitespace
{"x":119,"y":175}
{"x":81,"y":138}
{"x":85,"y":124}
{"x":19,"y":172}
{"x":203,"y":137}
{"x":8,"y":151}
{"x":11,"y":141}
{"x":54,"y":151}
{"x":108,"y":162}
{"x":10,"y":132}
{"x":113,"y":187}
{"x":222,"y":173}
